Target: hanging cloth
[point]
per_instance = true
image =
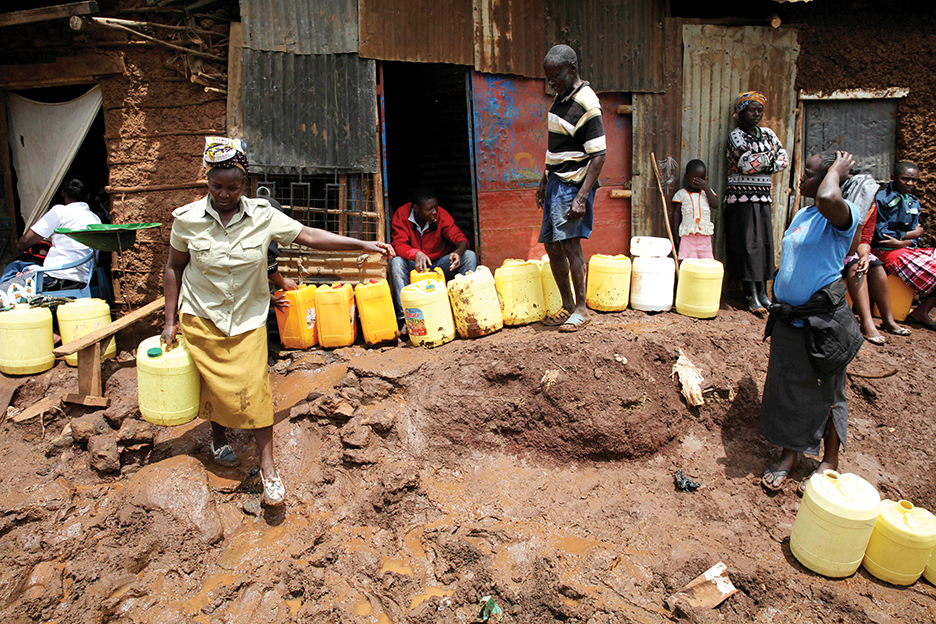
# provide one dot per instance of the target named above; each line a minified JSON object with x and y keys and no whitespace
{"x":44,"y":139}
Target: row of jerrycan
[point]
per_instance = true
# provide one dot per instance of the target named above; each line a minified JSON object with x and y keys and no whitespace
{"x":842,"y":524}
{"x":26,"y":338}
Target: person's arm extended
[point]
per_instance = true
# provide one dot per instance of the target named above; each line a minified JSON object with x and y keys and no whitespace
{"x":591,"y":177}
{"x":829,"y":200}
{"x":27,"y":240}
{"x":916,"y":232}
{"x":328,"y":241}
{"x":172,"y":284}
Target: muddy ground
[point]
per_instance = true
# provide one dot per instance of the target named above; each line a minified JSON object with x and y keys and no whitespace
{"x":532,"y":466}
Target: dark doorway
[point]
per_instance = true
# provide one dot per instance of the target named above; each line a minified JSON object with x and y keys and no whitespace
{"x":427,"y":125}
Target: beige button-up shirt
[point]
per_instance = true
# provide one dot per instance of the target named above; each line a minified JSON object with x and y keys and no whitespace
{"x":225,"y":280}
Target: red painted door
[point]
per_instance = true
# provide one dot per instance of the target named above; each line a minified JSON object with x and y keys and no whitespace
{"x":510,"y":139}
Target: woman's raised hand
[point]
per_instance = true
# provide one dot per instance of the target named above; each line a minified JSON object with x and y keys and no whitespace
{"x":843,"y":163}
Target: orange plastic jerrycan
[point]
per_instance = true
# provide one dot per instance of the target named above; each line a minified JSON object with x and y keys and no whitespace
{"x":432,"y":274}
{"x":297,"y":322}
{"x":334,"y":315}
{"x":428,"y":313}
{"x":519,"y":285}
{"x":901,"y":298}
{"x":375,"y":305}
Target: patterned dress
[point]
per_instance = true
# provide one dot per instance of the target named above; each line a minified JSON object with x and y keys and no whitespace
{"x":753,"y":157}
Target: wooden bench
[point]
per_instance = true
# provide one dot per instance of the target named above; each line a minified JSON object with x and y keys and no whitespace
{"x":89,"y":350}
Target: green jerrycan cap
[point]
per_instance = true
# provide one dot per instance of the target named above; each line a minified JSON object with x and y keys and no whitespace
{"x":154,"y":352}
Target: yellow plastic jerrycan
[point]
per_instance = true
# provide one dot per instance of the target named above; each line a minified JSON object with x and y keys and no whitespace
{"x":26,"y":340}
{"x":334,"y":315}
{"x":83,"y":316}
{"x":901,"y":298}
{"x":698,"y":293}
{"x":432,"y":274}
{"x":168,"y":384}
{"x":929,"y":572}
{"x":297,"y":322}
{"x":519,"y":285}
{"x":903,"y":540}
{"x":551,"y":295}
{"x":608,"y":284}
{"x":474,"y":302}
{"x":834,"y":523}
{"x":375,"y":305}
{"x":428,"y":314}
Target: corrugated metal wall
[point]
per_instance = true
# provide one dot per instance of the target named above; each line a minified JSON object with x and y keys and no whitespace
{"x":718,"y":63}
{"x":426,"y":31}
{"x":656,"y":121}
{"x":866,"y":128}
{"x":310,"y":112}
{"x":300,"y":26}
{"x":510,"y":37}
{"x":620,"y":44}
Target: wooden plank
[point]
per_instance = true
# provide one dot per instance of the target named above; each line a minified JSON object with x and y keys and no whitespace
{"x":87,"y":400}
{"x":45,"y":14}
{"x":47,"y":404}
{"x":157,"y":187}
{"x":7,"y":170}
{"x":8,"y":386}
{"x":621,"y":193}
{"x":342,"y":198}
{"x":625,"y":109}
{"x":89,"y":370}
{"x":235,"y":115}
{"x":64,"y":71}
{"x":106,"y":332}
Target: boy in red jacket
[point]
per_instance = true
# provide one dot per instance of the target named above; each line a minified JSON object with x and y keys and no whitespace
{"x":425,"y":236}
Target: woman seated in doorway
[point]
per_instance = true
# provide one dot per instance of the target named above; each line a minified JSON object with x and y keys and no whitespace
{"x":897,"y":234}
{"x":74,"y":214}
{"x":864,"y":273}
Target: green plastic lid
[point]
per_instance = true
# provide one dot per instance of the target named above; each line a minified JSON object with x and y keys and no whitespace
{"x":154,"y":352}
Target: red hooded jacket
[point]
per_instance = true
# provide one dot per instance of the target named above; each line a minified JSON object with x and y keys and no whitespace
{"x":439,"y":240}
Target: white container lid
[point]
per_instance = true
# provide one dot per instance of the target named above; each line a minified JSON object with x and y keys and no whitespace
{"x":650,"y":246}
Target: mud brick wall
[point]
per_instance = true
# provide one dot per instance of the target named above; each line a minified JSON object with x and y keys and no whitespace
{"x":155,"y":132}
{"x":867,"y":50}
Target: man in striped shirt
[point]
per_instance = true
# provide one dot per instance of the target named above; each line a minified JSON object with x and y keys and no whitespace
{"x":566,"y":191}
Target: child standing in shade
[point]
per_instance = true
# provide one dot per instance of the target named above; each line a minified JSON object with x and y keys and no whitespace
{"x":696,"y":198}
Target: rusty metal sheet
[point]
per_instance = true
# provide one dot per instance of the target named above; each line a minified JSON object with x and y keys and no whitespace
{"x":619,"y":44}
{"x":309,"y":112}
{"x":866,"y":128}
{"x":510,"y":36}
{"x":656,"y":121}
{"x":425,"y":31}
{"x":300,"y":26}
{"x":509,"y":122}
{"x":718,"y":63}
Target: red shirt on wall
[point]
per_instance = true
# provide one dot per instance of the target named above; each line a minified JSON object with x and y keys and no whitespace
{"x":439,"y":239}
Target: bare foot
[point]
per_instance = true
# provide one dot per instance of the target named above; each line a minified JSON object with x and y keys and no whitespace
{"x":923,"y":319}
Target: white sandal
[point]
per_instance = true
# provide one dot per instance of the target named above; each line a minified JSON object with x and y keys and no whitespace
{"x":224,"y":455}
{"x":274,"y":492}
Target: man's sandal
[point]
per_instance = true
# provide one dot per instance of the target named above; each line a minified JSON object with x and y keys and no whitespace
{"x":575,"y":323}
{"x":774,"y":479}
{"x":556,"y":319}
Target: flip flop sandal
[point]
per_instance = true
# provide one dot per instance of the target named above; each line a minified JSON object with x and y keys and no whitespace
{"x":575,"y":323}
{"x":900,"y":331}
{"x":224,"y":455}
{"x":876,"y":340}
{"x":559,"y":318}
{"x":774,"y":479}
{"x":802,"y":486}
{"x":274,"y":492}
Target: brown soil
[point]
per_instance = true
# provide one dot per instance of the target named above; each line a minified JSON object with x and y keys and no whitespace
{"x":530,"y":465}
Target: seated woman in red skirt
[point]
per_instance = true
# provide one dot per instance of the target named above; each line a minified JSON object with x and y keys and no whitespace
{"x":896,"y":235}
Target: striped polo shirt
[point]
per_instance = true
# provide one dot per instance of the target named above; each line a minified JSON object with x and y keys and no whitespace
{"x":576,"y":134}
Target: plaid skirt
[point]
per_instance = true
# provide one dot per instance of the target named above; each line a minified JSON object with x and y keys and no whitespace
{"x":916,"y":267}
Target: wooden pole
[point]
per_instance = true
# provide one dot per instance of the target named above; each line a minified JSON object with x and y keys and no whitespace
{"x":111,"y":23}
{"x":669,"y":230}
{"x":7,"y":170}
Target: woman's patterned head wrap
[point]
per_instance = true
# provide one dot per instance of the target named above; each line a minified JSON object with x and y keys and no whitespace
{"x":225,"y":153}
{"x":744,"y":99}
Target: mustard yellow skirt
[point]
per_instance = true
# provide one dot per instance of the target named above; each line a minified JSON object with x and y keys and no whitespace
{"x":235,"y":380}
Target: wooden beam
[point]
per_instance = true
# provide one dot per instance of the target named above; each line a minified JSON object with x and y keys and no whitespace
{"x":625,"y":109}
{"x":117,"y":25}
{"x":106,"y":332}
{"x":67,"y":70}
{"x":45,"y":14}
{"x":156,"y":187}
{"x":7,"y":170}
{"x":856,"y":94}
{"x":235,"y":117}
{"x":621,"y":193}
